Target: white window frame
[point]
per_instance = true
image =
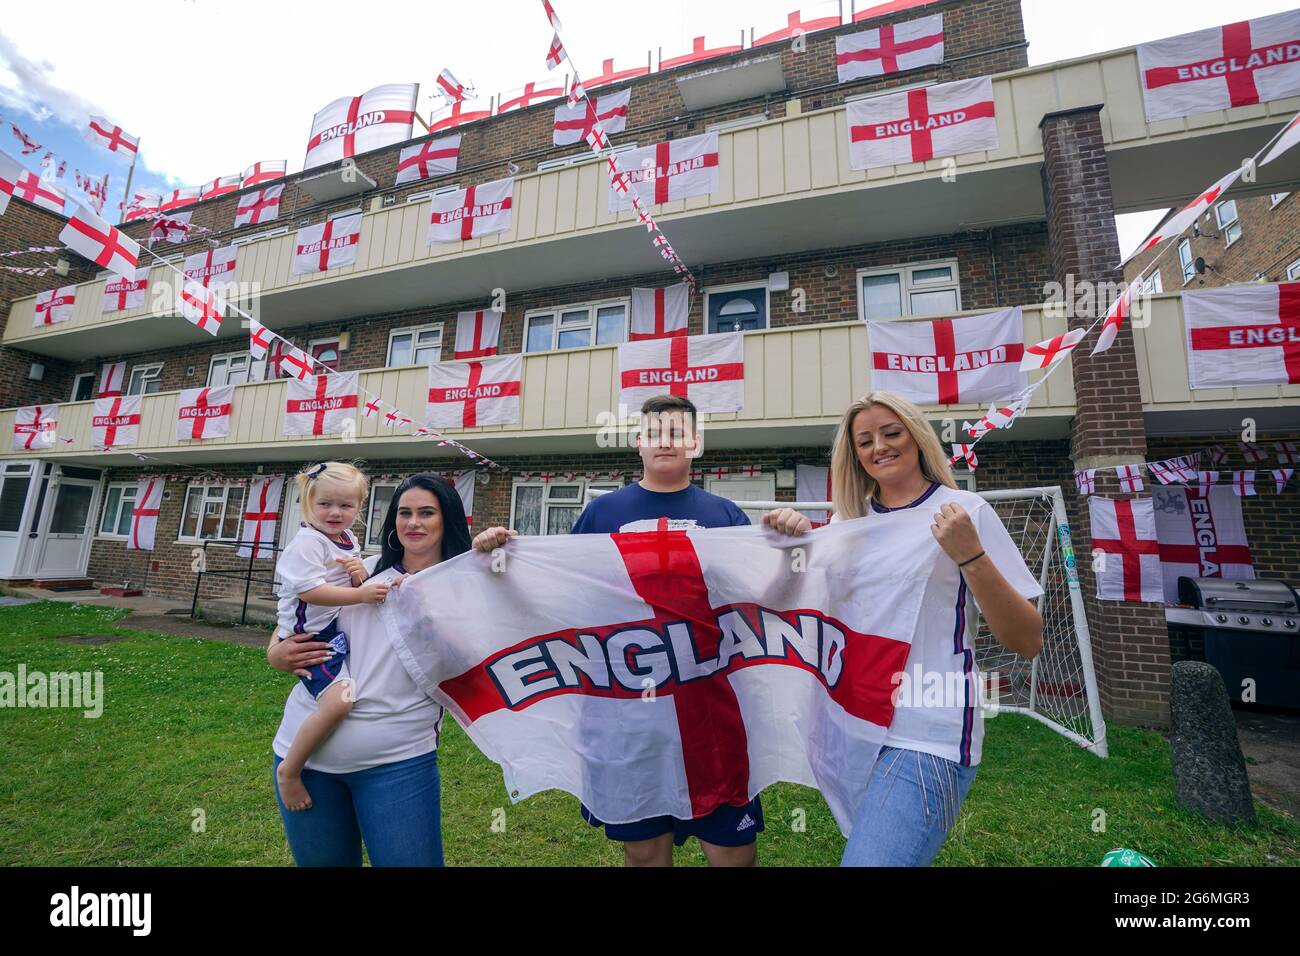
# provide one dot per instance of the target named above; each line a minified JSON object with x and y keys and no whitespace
{"x":413,"y":331}
{"x":764,"y":284}
{"x":741,"y":122}
{"x":76,"y":381}
{"x":126,"y":486}
{"x":586,"y":156}
{"x":370,"y":545}
{"x":1188,"y":265}
{"x":581,"y":501}
{"x":430,"y":193}
{"x":904,"y":272}
{"x":256,"y":367}
{"x":1293,"y":271}
{"x":592,"y":308}
{"x":337,"y":339}
{"x":1226,"y":227}
{"x":148,"y":373}
{"x":1276,"y":198}
{"x":203,"y":489}
{"x":345,"y":212}
{"x":1153,"y":284}
{"x":269,"y":234}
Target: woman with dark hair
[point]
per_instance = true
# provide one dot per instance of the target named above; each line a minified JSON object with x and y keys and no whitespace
{"x":375,"y":781}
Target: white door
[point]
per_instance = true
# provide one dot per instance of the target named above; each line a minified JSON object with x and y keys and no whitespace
{"x":761,"y":488}
{"x":66,"y":531}
{"x":17,"y":491}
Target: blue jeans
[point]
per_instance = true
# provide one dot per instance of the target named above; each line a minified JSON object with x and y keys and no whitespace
{"x":911,"y":803}
{"x":394,"y":808}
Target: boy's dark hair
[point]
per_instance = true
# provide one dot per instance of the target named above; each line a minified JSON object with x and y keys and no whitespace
{"x":670,"y":403}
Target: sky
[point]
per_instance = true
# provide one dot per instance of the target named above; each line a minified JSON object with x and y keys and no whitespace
{"x":242,"y":80}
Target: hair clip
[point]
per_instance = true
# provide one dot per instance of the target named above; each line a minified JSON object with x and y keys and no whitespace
{"x":316,"y":472}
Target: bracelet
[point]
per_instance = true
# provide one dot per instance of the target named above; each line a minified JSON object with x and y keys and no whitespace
{"x":972,"y":560}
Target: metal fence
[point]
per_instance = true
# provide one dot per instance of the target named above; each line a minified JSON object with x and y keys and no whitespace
{"x":221,"y":559}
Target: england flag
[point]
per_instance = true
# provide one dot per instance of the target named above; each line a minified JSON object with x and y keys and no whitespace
{"x":1201,"y":536}
{"x":1178,"y":224}
{"x":352,"y":125}
{"x":471,"y":394}
{"x":121,"y":294}
{"x":265,"y":171}
{"x":892,"y":48}
{"x":573,"y":123}
{"x":54,"y":305}
{"x":707,"y":369}
{"x":676,"y":169}
{"x":1126,"y":552}
{"x":104,"y":245}
{"x":470,"y":213}
{"x":36,"y":427}
{"x":915,"y":126}
{"x":321,"y":405}
{"x":434,"y":157}
{"x":327,"y":245}
{"x":261,"y":511}
{"x":813,"y":483}
{"x":259,"y":206}
{"x":204,"y":412}
{"x":477,"y":334}
{"x":1243,"y":335}
{"x":213,"y":268}
{"x":659,"y":313}
{"x":115,"y":422}
{"x":144,"y":514}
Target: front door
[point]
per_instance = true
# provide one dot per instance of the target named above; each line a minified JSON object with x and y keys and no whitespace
{"x":66,"y":533}
{"x":760,"y":488}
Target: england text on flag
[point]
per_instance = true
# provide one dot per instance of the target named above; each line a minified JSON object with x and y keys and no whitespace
{"x":1201,"y":536}
{"x":352,"y":125}
{"x":204,"y":412}
{"x":54,"y":305}
{"x":1243,"y":335}
{"x":115,"y":422}
{"x":676,"y":169}
{"x":472,"y":212}
{"x":327,"y":245}
{"x":915,"y":126}
{"x":707,"y":369}
{"x":891,"y":48}
{"x":321,"y":404}
{"x":121,"y":294}
{"x":35,"y":427}
{"x":470,"y":394}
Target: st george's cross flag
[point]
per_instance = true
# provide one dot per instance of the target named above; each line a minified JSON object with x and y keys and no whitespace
{"x":221,"y":186}
{"x":115,"y":422}
{"x":465,"y":488}
{"x":144,"y":204}
{"x":259,"y":206}
{"x":477,"y":333}
{"x":915,"y":126}
{"x":36,"y":427}
{"x":261,"y":511}
{"x":1045,"y":354}
{"x":469,"y":213}
{"x":573,"y":123}
{"x":675,"y":169}
{"x":112,"y":377}
{"x":707,"y":369}
{"x":111,"y":137}
{"x":425,"y":160}
{"x":204,"y":412}
{"x":1243,"y":335}
{"x":200,"y":306}
{"x":352,"y":125}
{"x":10,"y":170}
{"x":144,"y":513}
{"x":1238,"y":64}
{"x":891,"y":48}
{"x":950,"y":361}
{"x":175,"y":228}
{"x":1120,"y":311}
{"x":758,"y":675}
{"x":213,"y":268}
{"x":321,"y":404}
{"x":54,"y":305}
{"x":1243,"y":483}
{"x":659,"y":313}
{"x":1178,"y":224}
{"x":266,"y":171}
{"x":1201,"y":536}
{"x":122,"y":294}
{"x":39,"y":192}
{"x":180,"y":198}
{"x":474,"y":393}
{"x":107,"y":246}
{"x":1126,"y":554}
{"x":813,"y":483}
{"x":327,"y":245}
{"x":452,"y":89}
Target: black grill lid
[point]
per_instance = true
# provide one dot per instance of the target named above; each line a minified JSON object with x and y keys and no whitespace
{"x":1210,"y":593}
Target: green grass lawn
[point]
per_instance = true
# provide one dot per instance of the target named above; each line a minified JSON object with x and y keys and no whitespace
{"x":187,"y":726}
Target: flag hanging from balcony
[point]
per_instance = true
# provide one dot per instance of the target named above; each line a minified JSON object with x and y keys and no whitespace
{"x":1200,"y":536}
{"x":204,"y":413}
{"x":106,"y":246}
{"x":221,"y":186}
{"x":261,"y":512}
{"x":892,"y":48}
{"x":573,"y":123}
{"x":472,"y":212}
{"x":477,"y":334}
{"x":950,"y":361}
{"x":115,"y":422}
{"x":352,"y":125}
{"x":112,"y":376}
{"x":465,"y":488}
{"x":321,"y":405}
{"x":470,"y":394}
{"x":1128,"y":565}
{"x":676,"y":169}
{"x":1238,"y":64}
{"x":327,"y":245}
{"x":213,"y":268}
{"x":1179,"y":224}
{"x":35,"y":427}
{"x":201,"y":306}
{"x":707,"y":369}
{"x":1243,"y":335}
{"x":55,"y":305}
{"x":813,"y":483}
{"x":111,"y":137}
{"x":144,"y":514}
{"x":425,"y":160}
{"x":263,"y":172}
{"x":659,"y":313}
{"x":914,"y":126}
{"x":259,"y":206}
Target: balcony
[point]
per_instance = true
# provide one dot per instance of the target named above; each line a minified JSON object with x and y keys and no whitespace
{"x":785,"y":187}
{"x":798,"y":381}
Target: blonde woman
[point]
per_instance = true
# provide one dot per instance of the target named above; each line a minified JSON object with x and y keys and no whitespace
{"x":886,"y":460}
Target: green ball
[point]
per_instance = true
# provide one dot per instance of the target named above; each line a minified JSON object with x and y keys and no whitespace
{"x":1122,"y":857}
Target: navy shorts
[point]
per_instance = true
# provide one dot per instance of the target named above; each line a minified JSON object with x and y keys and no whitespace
{"x":323,"y":675}
{"x":725,"y":826}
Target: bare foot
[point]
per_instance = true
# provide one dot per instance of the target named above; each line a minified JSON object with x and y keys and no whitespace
{"x":293,"y":793}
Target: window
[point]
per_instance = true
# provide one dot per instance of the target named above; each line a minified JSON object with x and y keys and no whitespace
{"x":429,"y":193}
{"x":242,"y":240}
{"x":145,"y":380}
{"x":234,"y":368}
{"x":343,"y":212}
{"x":380,"y":497}
{"x":575,"y":326}
{"x":551,"y":507}
{"x":83,"y":387}
{"x":326,"y":352}
{"x":929,"y":288}
{"x":743,"y":122}
{"x":1293,"y":271}
{"x":1152,"y":284}
{"x":118,"y":502}
{"x":211,"y":513}
{"x":1186,"y":261}
{"x":14,"y":484}
{"x":735,"y":308}
{"x":1229,"y":224}
{"x":418,"y":346}
{"x":1276,"y":198}
{"x":586,"y":156}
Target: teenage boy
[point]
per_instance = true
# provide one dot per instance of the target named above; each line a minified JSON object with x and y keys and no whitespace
{"x":668,"y":443}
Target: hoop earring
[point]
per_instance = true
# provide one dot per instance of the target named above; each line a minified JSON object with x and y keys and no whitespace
{"x":389,"y":541}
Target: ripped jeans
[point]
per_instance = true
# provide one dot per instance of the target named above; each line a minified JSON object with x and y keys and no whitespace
{"x":911,"y":803}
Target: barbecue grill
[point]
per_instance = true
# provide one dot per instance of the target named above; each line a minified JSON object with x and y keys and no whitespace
{"x":1248,"y":630}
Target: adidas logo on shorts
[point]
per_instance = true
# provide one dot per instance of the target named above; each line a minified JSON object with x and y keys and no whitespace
{"x":746,"y":822}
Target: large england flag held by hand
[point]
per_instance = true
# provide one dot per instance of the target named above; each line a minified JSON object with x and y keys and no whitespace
{"x":950,"y":361}
{"x":673,"y":672}
{"x":892,"y":48}
{"x":707,"y":369}
{"x":1243,"y":335}
{"x":472,"y":212}
{"x":919,"y":125}
{"x":352,"y":125}
{"x":1239,"y":64}
{"x":676,"y":169}
{"x":327,"y":245}
{"x":1200,"y":536}
{"x":1126,"y":553}
{"x":321,"y":404}
{"x":470,"y":394}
